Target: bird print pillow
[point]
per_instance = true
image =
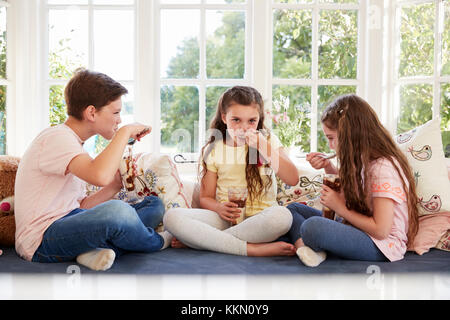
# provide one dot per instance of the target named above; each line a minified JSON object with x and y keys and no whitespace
{"x":423,"y":148}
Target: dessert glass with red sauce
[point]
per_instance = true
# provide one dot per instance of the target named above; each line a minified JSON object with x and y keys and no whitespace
{"x":238,"y":196}
{"x":332,"y":181}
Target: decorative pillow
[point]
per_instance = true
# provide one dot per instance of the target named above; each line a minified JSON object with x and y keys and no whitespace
{"x":444,"y":242}
{"x":423,"y":148}
{"x":432,"y":230}
{"x":148,"y":174}
{"x":306,"y":191}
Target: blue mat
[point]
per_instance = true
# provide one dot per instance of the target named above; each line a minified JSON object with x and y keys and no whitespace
{"x":189,"y":261}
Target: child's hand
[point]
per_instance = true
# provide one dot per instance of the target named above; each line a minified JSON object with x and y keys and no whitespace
{"x":254,"y":138}
{"x":332,"y":199}
{"x":117,"y":182}
{"x":229,"y":211}
{"x":317,"y":161}
{"x":138,"y":131}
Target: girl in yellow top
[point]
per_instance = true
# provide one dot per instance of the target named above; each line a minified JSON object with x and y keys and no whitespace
{"x":239,"y":153}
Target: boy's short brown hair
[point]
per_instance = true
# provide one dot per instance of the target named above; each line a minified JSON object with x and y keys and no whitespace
{"x":87,"y":88}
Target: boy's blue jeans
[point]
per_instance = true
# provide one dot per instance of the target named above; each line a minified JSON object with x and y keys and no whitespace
{"x":113,"y":224}
{"x":322,"y":234}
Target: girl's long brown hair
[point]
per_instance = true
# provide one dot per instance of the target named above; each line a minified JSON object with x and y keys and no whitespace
{"x":362,"y":139}
{"x":246,"y":96}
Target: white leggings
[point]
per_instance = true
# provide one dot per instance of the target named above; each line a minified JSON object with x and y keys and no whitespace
{"x":205,"y":230}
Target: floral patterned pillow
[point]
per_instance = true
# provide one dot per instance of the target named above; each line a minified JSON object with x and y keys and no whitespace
{"x":444,"y":242}
{"x":148,"y":174}
{"x":306,"y":191}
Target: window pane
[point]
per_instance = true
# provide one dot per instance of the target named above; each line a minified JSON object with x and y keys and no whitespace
{"x":179,"y":43}
{"x":417,"y":40}
{"x":292,"y":40}
{"x":68,"y":44}
{"x":212,"y":97}
{"x":446,"y":41}
{"x":111,"y":57}
{"x":326,"y":95}
{"x":290,"y":115}
{"x":179,"y":119}
{"x":128,"y":104}
{"x":2,"y":119}
{"x":416,"y":102}
{"x":2,"y":42}
{"x":225,"y":44}
{"x":338,"y":38}
{"x":445,"y":116}
{"x":57,"y":105}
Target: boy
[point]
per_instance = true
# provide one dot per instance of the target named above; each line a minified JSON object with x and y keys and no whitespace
{"x":55,"y":221}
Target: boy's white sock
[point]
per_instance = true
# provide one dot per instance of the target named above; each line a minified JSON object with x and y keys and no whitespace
{"x":309,"y":257}
{"x":97,"y":259}
{"x":167,"y":236}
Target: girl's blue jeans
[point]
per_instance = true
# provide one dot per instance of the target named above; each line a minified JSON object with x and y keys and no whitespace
{"x":322,"y":234}
{"x":113,"y":224}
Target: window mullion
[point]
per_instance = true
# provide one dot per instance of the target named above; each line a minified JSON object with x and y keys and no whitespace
{"x":203,"y":78}
{"x":438,"y":29}
{"x":91,"y":61}
{"x":314,"y":76}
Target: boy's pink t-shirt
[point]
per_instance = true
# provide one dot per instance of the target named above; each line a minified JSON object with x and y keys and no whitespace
{"x":44,"y":190}
{"x":386,"y":183}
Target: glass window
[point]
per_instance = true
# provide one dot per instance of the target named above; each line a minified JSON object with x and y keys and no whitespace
{"x":225,"y":44}
{"x":292,"y":41}
{"x":180,"y":51}
{"x":111,"y":51}
{"x":417,"y":40}
{"x":445,"y":116}
{"x":417,"y":82}
{"x":201,"y":56}
{"x":338,"y":38}
{"x":179,"y":116}
{"x":315,"y":54}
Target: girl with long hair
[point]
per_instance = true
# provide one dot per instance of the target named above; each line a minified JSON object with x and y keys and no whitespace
{"x":377,"y":201}
{"x":240,"y":152}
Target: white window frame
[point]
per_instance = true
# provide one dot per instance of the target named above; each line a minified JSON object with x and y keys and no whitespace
{"x":435,"y":79}
{"x":314,"y":82}
{"x":202,"y":81}
{"x":90,"y":7}
{"x":27,"y":99}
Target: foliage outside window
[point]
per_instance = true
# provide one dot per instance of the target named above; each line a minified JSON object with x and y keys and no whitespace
{"x":69,"y":50}
{"x":225,"y":61}
{"x":416,"y":67}
{"x":292,"y":59}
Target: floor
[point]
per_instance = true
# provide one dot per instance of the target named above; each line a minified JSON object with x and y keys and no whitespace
{"x":373,"y":285}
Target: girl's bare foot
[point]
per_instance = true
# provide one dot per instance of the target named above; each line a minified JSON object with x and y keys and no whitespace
{"x":299,"y":243}
{"x":279,"y":248}
{"x":178,"y":244}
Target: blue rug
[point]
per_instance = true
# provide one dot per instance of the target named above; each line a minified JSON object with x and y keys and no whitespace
{"x":189,"y":261}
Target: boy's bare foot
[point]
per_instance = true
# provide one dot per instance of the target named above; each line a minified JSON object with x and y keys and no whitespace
{"x":279,"y":248}
{"x":177,"y":243}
